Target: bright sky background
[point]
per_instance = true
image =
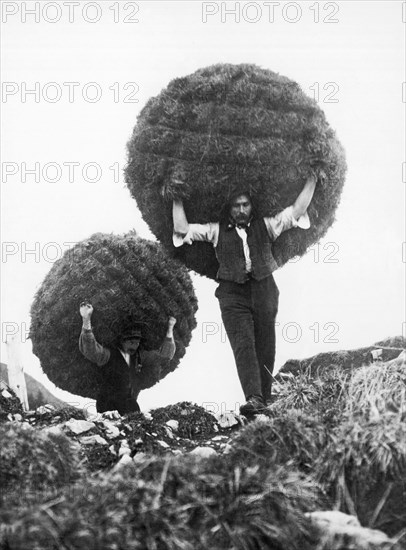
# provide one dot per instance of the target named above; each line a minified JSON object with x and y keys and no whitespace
{"x":350,"y":289}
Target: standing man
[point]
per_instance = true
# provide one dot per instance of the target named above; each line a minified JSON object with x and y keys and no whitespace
{"x":247,"y":293}
{"x":121,"y":366}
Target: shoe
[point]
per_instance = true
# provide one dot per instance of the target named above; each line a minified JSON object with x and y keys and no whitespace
{"x":255,"y":404}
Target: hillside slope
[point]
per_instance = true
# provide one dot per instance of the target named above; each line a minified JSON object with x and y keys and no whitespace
{"x":37,"y":393}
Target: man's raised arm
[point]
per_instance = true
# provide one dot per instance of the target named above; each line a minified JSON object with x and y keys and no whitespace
{"x":180,"y":223}
{"x":185,"y":232}
{"x":300,"y":205}
{"x":88,"y":346}
{"x":168,"y":347}
{"x":294,"y":215}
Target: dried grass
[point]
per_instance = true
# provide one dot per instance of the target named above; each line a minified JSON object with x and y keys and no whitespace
{"x":127,"y":279}
{"x":173,"y":504}
{"x":226,"y":129}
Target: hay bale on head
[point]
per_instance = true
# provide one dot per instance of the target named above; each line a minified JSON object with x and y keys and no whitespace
{"x":127,"y":279}
{"x":227,"y":129}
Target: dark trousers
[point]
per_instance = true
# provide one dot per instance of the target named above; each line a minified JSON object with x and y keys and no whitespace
{"x":248,"y":312}
{"x":122,"y":403}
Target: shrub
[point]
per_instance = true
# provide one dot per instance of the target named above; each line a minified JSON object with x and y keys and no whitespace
{"x":226,"y":129}
{"x":376,"y":389}
{"x":292,"y":438}
{"x":57,"y":414}
{"x":364,"y":468}
{"x":9,"y":405}
{"x":32,"y":461}
{"x":322,"y":397}
{"x":180,"y":503}
{"x":127,"y":279}
{"x":194,"y":421}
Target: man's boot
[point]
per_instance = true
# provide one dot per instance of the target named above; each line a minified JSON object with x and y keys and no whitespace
{"x":254,"y":405}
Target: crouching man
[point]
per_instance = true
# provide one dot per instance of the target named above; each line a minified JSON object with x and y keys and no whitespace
{"x":121,"y":366}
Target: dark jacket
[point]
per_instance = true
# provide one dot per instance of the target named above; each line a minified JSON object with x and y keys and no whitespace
{"x":119,"y":390}
{"x":121,"y":383}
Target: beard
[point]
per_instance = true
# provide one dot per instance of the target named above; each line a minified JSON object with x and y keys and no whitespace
{"x":241,"y":219}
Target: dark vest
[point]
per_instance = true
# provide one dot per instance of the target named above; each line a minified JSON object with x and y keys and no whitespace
{"x":119,"y":389}
{"x":230,"y":253}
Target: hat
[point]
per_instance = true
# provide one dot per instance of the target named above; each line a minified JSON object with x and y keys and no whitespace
{"x":134,"y":332}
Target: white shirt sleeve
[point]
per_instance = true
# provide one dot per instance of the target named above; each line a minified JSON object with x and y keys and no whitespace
{"x":208,"y":232}
{"x":284,"y":221}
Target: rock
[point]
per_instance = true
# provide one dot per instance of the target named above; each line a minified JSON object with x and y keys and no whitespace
{"x":261,"y":418}
{"x":6,"y":394}
{"x":173,"y":425}
{"x":227,"y":419}
{"x":112,"y":430}
{"x":139,"y":457}
{"x":124,"y":448}
{"x":340,"y":530}
{"x":55,"y":430}
{"x":163,"y":444}
{"x":112,"y":450}
{"x":334,"y":517}
{"x":124,"y":460}
{"x":79,"y":426}
{"x":204,"y":452}
{"x":45,"y":409}
{"x":111,"y":415}
{"x":93,"y":439}
{"x":226,"y":449}
{"x":169,"y":432}
{"x":124,"y":451}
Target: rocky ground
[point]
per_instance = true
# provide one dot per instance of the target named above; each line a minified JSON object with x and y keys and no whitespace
{"x":110,"y":444}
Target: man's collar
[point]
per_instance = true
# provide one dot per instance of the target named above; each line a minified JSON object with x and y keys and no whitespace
{"x":233,"y":225}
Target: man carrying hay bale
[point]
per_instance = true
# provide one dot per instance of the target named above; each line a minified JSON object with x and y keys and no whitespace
{"x":120,"y":365}
{"x":247,"y":293}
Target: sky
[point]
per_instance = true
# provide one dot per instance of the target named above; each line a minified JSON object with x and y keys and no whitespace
{"x":75,"y":76}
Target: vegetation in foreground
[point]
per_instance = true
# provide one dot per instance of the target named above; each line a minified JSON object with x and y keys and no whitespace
{"x":332,"y":440}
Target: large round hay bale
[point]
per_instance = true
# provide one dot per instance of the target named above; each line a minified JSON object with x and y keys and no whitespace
{"x":226,"y":129}
{"x":127,"y":279}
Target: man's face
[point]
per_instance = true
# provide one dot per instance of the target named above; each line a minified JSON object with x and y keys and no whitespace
{"x":241,"y":209}
{"x":130,"y":346}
